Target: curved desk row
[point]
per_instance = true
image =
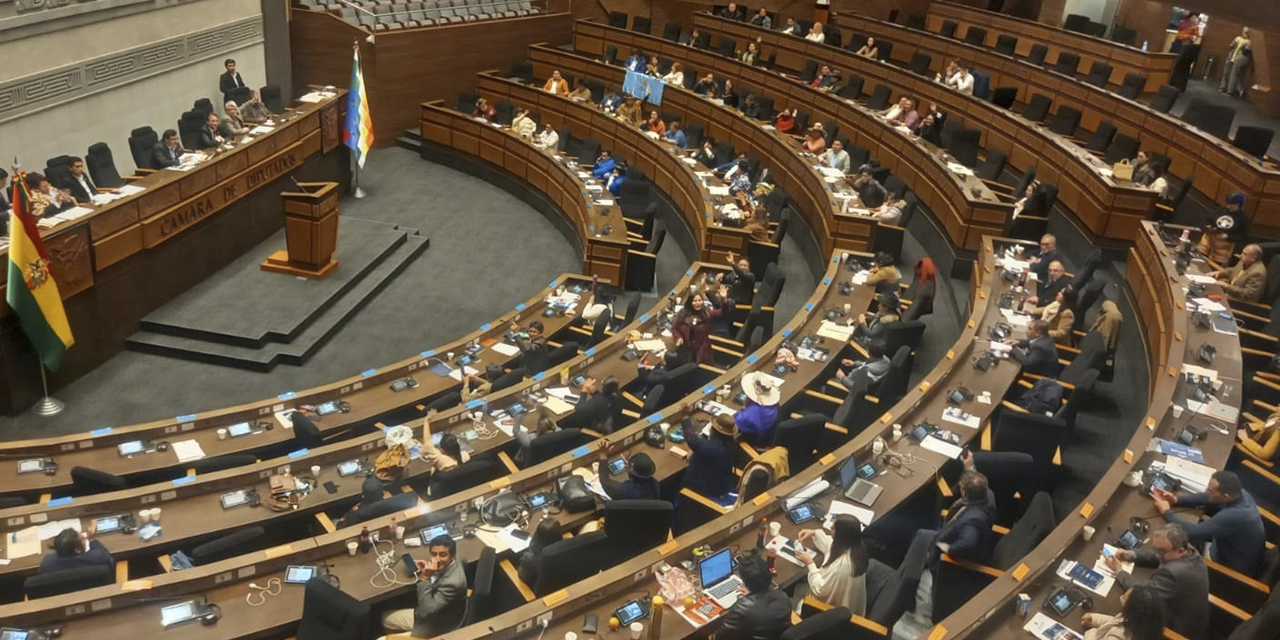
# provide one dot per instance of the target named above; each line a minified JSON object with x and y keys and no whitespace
{"x":1122,"y":57}
{"x":1219,"y":167}
{"x":119,"y":611}
{"x":1173,"y":345}
{"x":1108,"y":208}
{"x":966,"y":207}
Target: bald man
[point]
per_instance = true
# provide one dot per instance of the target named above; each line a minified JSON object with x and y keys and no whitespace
{"x":1248,"y":278}
{"x":1048,"y":253}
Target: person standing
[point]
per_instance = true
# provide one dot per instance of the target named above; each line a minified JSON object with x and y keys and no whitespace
{"x":230,"y":80}
{"x":692,"y":328}
{"x":755,"y":421}
{"x":1230,"y":84}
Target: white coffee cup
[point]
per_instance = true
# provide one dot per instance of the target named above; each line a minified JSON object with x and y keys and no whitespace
{"x":144,"y":516}
{"x":1088,"y":532}
{"x":1177,"y":411}
{"x":155,"y":514}
{"x":775,"y":528}
{"x":636,"y":629}
{"x":399,"y":532}
{"x":570,"y":636}
{"x":352,"y":545}
{"x":315,"y":471}
{"x":222,"y":434}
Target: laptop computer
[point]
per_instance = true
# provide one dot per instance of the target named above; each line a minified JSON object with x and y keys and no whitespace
{"x":855,"y":488}
{"x":718,"y":579}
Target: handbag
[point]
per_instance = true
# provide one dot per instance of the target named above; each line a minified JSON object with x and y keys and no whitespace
{"x":1122,"y":170}
{"x":390,"y":464}
{"x":502,"y":509}
{"x":574,"y":495}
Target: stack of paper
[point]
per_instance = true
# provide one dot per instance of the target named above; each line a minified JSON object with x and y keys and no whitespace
{"x":840,"y":507}
{"x":188,"y":450}
{"x":1194,"y":476}
{"x":505,"y":349}
{"x":130,"y":189}
{"x":718,"y":191}
{"x":829,"y":329}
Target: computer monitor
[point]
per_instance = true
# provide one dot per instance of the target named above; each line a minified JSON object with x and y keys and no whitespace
{"x":715,"y":568}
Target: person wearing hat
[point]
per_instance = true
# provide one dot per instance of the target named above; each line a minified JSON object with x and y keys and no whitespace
{"x":1223,"y":229}
{"x":640,"y":483}
{"x":755,"y":421}
{"x":869,"y":328}
{"x":1247,"y":279}
{"x":710,"y":470}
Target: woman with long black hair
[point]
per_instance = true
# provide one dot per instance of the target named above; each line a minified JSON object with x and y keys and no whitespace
{"x":841,"y":581}
{"x":692,"y":328}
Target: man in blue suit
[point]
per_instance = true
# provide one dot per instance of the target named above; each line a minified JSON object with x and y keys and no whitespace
{"x":636,"y":62}
{"x":603,"y":166}
{"x":619,"y":175}
{"x":675,"y":133}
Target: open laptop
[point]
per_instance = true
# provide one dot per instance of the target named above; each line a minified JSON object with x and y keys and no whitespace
{"x":855,"y":488}
{"x":718,"y":579}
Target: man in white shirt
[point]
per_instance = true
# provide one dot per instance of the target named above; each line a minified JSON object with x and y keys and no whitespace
{"x":962,"y":81}
{"x":836,"y":157}
{"x":548,"y":139}
{"x":82,"y":187}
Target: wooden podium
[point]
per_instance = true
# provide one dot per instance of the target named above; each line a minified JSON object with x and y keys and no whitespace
{"x":311,"y":231}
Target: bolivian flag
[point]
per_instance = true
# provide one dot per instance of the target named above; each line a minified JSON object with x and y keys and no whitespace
{"x":358,"y":132}
{"x":32,"y":293}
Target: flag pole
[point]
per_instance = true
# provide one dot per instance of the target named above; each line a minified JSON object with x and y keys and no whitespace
{"x":47,"y":405}
{"x":357,"y":193}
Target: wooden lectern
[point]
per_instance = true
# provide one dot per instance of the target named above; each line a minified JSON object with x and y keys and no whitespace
{"x":310,"y":229}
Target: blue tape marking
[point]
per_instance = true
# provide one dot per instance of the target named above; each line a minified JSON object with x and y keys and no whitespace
{"x":808,"y":307}
{"x":520,"y":307}
{"x":786,"y":333}
{"x":539,"y":375}
{"x":751,"y":359}
{"x":581,"y":451}
{"x":657,"y":417}
{"x":590,"y":352}
{"x":288,"y":395}
{"x":100,"y":432}
{"x":178,"y":482}
{"x":485,"y":326}
{"x":836,"y":259}
{"x":368,"y":373}
{"x":553,"y":283}
{"x":709,"y":388}
{"x":826,"y":281}
{"x":428,"y":354}
{"x":475,"y":403}
{"x":591,"y":227}
{"x":689,"y":272}
{"x":58,"y":502}
{"x":644,"y":318}
{"x":192,"y":417}
{"x":298,"y":454}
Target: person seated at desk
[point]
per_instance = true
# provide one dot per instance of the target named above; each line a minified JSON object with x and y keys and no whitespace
{"x":253,"y":110}
{"x":758,"y":224}
{"x":533,"y":346}
{"x":814,"y":142}
{"x":841,"y":581}
{"x":442,"y":594}
{"x":522,"y":125}
{"x":581,"y":94}
{"x":654,"y":124}
{"x":884,"y":275}
{"x":1047,"y":289}
{"x":732,"y":12}
{"x":965,"y":534}
{"x":612,"y":101}
{"x":448,"y":454}
{"x":863,"y":374}
{"x":549,"y":532}
{"x":762,"y":611}
{"x":741,"y":281}
{"x":631,"y":112}
{"x":752,"y":55}
{"x":903,"y":114}
{"x":371,"y":493}
{"x":762,"y":19}
{"x":82,"y":187}
{"x":543,"y":424}
{"x":706,"y":156}
{"x":615,"y":180}
{"x":705,"y":86}
{"x":1222,"y":231}
{"x":70,"y":551}
{"x":168,"y":152}
{"x":694,"y":39}
{"x":651,"y":67}
{"x":556,"y":84}
{"x":791,"y":28}
{"x":232,"y":124}
{"x":890,"y":212}
{"x":822,"y":78}
{"x":636,"y":62}
{"x":230,"y":80}
{"x":692,"y":326}
{"x":485,"y":110}
{"x":733,"y":167}
{"x":961,"y":80}
{"x":1261,"y":439}
{"x":785,"y":121}
{"x":869,"y":328}
{"x":210,"y":134}
{"x":45,"y":198}
{"x":675,"y":133}
{"x":1038,"y":353}
{"x":1233,"y":528}
{"x":1030,"y":204}
{"x":710,"y":469}
{"x":676,"y":75}
{"x":1141,"y":618}
{"x":640,"y":483}
{"x":756,"y":420}
{"x":815,"y":34}
{"x":728,"y":94}
{"x":1060,"y":315}
{"x":600,"y":408}
{"x":1246,"y":279}
{"x":603,"y":166}
{"x":836,"y":157}
{"x":1180,"y":582}
{"x":474,"y":387}
{"x":1047,"y":254}
{"x":1143,"y":169}
{"x":750,"y":107}
{"x":870,"y":192}
{"x":930,"y":130}
{"x":653,"y":370}
{"x":548,"y":139}
{"x":870,"y":49}
{"x":1159,"y":183}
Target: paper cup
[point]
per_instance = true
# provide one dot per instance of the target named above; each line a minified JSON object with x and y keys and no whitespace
{"x":1177,"y":411}
{"x":1088,"y":532}
{"x":155,"y":514}
{"x":775,"y":528}
{"x":222,"y":434}
{"x":144,"y":516}
{"x":570,"y":636}
{"x":636,"y":629}
{"x":315,"y":471}
{"x":352,"y":546}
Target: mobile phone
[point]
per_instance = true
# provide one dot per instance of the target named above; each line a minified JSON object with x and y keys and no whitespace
{"x":331,"y":487}
{"x":801,"y":514}
{"x":589,"y":623}
{"x":539,"y":500}
{"x":867,"y":471}
{"x":1106,"y":551}
{"x":520,"y":534}
{"x":410,"y":567}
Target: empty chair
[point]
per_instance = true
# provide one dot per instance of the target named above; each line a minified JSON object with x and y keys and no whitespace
{"x":588,"y":151}
{"x":1252,"y":140}
{"x":886,"y":49}
{"x":1068,"y":63}
{"x":87,"y":480}
{"x":1124,"y":35}
{"x":948,"y":29}
{"x":1006,"y":44}
{"x":831,"y":35}
{"x":1133,"y":85}
{"x":204,"y":106}
{"x":189,"y":129}
{"x":463,"y":477}
{"x":523,"y":71}
{"x":1099,"y":74}
{"x":233,"y":544}
{"x":571,"y":560}
{"x":1037,"y":108}
{"x":1038,"y":435}
{"x":727,"y":47}
{"x":1101,"y":138}
{"x":880,"y":97}
{"x":508,"y":379}
{"x":141,"y":143}
{"x":671,"y":32}
{"x":618,"y":19}
{"x":305,"y":432}
{"x":218,"y":463}
{"x":57,"y":583}
{"x":634,"y":526}
{"x":641,"y":25}
{"x":1076,"y":22}
{"x":852,"y":88}
{"x":1037,"y":54}
{"x":1166,"y":95}
{"x":964,"y":146}
{"x":992,"y":166}
{"x":272,"y":98}
{"x":915,"y":21}
{"x":976,"y":36}
{"x":329,"y":613}
{"x":801,"y":437}
{"x":1084,"y":395}
{"x":1122,"y":147}
{"x":809,"y":72}
{"x":1217,"y":120}
{"x":386,"y":507}
{"x":102,"y":166}
{"x":920,"y":63}
{"x":1004,"y":97}
{"x":550,"y":445}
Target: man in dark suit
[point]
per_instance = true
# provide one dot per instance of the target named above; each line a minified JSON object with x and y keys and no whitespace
{"x":965,"y":534}
{"x":210,"y":137}
{"x":81,"y":185}
{"x":1181,"y":580}
{"x":733,"y":12}
{"x":1048,"y":253}
{"x":71,"y":552}
{"x":1038,"y":354}
{"x":230,"y":81}
{"x":763,"y":611}
{"x":442,"y":594}
{"x":742,"y":283}
{"x":1057,"y":279}
{"x":168,"y":152}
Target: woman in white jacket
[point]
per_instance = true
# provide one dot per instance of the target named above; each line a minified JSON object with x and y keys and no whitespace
{"x":841,"y":581}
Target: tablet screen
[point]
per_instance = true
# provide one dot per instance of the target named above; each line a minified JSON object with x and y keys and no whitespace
{"x":802,"y":514}
{"x":1060,"y":602}
{"x":298,"y":575}
{"x":107,"y":525}
{"x":176,"y":613}
{"x":130,"y":448}
{"x":14,"y":634}
{"x":616,"y":466}
{"x":241,"y":429}
{"x":630,"y":612}
{"x":327,"y":408}
{"x":27,"y":466}
{"x":234,"y":499}
{"x":350,"y":467}
{"x":537,"y":500}
{"x":431,"y":533}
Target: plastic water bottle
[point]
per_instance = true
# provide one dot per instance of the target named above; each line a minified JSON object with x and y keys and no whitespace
{"x":1144,"y":46}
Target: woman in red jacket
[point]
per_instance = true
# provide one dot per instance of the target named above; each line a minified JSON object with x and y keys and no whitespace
{"x":692,"y":328}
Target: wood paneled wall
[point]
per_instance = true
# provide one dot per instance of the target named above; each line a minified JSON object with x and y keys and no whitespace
{"x":662,"y":11}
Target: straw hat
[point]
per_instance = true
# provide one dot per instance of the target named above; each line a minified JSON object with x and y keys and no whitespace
{"x":761,"y":389}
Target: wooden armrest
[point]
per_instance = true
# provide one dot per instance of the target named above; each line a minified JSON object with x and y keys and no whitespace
{"x":144,"y":172}
{"x":643,"y":253}
{"x":1012,"y":407}
{"x":996,"y":185}
{"x":165,"y":562}
{"x":984,"y":438}
{"x":704,"y":501}
{"x":1260,"y":336}
{"x":860,"y":349}
{"x":1241,"y":578}
{"x":508,"y":462}
{"x":751,"y":452}
{"x":943,"y":488}
{"x":1269,"y":408}
{"x":869,"y":625}
{"x":1033,"y":376}
{"x":632,"y":399}
{"x":831,"y":426}
{"x":728,"y":342}
{"x":122,"y":571}
{"x":1266,"y":474}
{"x":1229,"y":608}
{"x":323,"y":519}
{"x":972,"y":566}
{"x":1164,"y":207}
{"x":835,"y":383}
{"x":870,"y":398}
{"x":810,"y":601}
{"x":591,"y":432}
{"x":580,"y":330}
{"x":822,"y":396}
{"x":716,"y":370}
{"x":726,"y":350}
{"x":631,"y":414}
{"x":1072,"y":350}
{"x":514,"y":576}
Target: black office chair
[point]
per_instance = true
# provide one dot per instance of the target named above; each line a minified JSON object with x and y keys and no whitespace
{"x":142,"y":142}
{"x":1122,"y":146}
{"x":56,"y":583}
{"x":1166,"y":95}
{"x":832,"y":624}
{"x":915,"y":21}
{"x":976,"y":36}
{"x":467,"y":102}
{"x":90,"y":481}
{"x":233,"y":544}
{"x":903,"y":333}
{"x":550,"y":445}
{"x":571,"y":560}
{"x":671,"y":32}
{"x":1253,"y":140}
{"x":1006,"y":44}
{"x":1133,"y":85}
{"x":203,"y":106}
{"x":1101,"y":137}
{"x":588,"y":151}
{"x":1093,"y":352}
{"x":852,"y":89}
{"x":1217,"y":120}
{"x":964,"y":146}
{"x":305,"y":432}
{"x":1037,"y":54}
{"x":480,"y":604}
{"x":1038,"y":435}
{"x":1076,"y":22}
{"x":886,"y":50}
{"x":641,"y":25}
{"x":1084,"y":395}
{"x":1099,"y":74}
{"x":1037,"y":108}
{"x":992,"y":166}
{"x":1004,"y":97}
{"x":462,"y":477}
{"x":1085,"y":275}
{"x":508,"y":379}
{"x":272,"y":98}
{"x":1124,"y":35}
{"x":618,"y":19}
{"x":1068,"y":63}
{"x":801,"y":438}
{"x":102,"y":166}
{"x":635,"y":526}
{"x":880,"y":96}
{"x":920,"y":63}
{"x":727,"y":47}
{"x":218,"y":463}
{"x":329,"y":613}
{"x":395,"y":504}
{"x":948,"y":29}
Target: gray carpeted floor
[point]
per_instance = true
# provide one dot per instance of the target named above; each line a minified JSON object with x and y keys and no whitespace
{"x":489,"y":251}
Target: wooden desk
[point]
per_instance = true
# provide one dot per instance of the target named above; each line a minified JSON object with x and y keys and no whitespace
{"x":1162,"y":309}
{"x":1122,"y":57}
{"x":966,"y":207}
{"x":1219,"y":167}
{"x":131,"y":256}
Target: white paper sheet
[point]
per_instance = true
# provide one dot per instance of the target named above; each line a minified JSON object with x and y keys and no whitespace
{"x":944,"y":448}
{"x":456,"y":374}
{"x":515,"y":544}
{"x":834,"y":331}
{"x":1046,"y":628}
{"x":840,"y":507}
{"x":1201,"y":279}
{"x":130,"y":189}
{"x":51,"y":529}
{"x":188,"y":450}
{"x":505,"y":349}
{"x":960,"y":416}
{"x":557,"y":406}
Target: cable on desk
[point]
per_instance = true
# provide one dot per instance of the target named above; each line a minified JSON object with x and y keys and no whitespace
{"x":272,"y":589}
{"x":386,"y":567}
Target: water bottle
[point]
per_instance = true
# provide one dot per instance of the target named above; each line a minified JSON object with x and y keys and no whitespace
{"x":1144,"y":46}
